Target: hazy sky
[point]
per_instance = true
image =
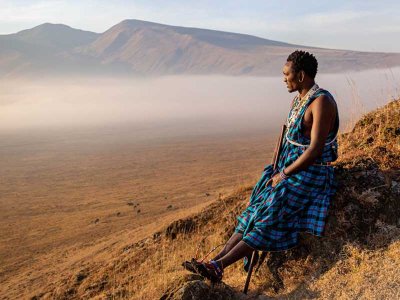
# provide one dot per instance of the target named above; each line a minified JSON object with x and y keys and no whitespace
{"x":360,"y":25}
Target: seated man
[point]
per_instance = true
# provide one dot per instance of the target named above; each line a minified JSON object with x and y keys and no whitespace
{"x":295,"y":196}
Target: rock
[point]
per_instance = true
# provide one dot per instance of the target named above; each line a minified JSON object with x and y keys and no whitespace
{"x":80,"y":276}
{"x":194,"y":290}
{"x":395,"y":187}
{"x":351,"y":209}
{"x":180,"y":226}
{"x":157,"y":235}
{"x":37,"y":297}
{"x":193,"y":287}
{"x":263,"y":297}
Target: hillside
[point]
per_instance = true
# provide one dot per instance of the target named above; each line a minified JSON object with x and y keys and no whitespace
{"x":359,"y":257}
{"x":141,"y":48}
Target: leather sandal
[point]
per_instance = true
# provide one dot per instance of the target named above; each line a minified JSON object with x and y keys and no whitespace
{"x":210,"y":271}
{"x":189,"y":265}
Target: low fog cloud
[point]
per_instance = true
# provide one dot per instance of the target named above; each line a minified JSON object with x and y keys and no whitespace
{"x":98,"y":101}
{"x":227,"y":101}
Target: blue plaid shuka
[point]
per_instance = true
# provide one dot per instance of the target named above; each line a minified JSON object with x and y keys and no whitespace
{"x":275,"y":216}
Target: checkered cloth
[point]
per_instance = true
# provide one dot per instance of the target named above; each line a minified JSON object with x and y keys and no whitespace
{"x":275,"y":216}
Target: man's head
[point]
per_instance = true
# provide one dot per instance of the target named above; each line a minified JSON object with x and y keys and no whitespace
{"x":299,"y":70}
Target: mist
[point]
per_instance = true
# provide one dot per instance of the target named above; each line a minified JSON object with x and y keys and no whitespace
{"x":186,"y":104}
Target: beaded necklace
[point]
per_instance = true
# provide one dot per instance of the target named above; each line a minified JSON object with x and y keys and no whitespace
{"x":298,"y":104}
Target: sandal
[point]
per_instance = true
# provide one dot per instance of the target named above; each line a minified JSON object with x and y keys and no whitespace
{"x":190,"y":266}
{"x":210,"y":270}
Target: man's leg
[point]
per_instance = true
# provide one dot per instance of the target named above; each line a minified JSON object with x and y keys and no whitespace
{"x":232,"y":242}
{"x":239,"y":251}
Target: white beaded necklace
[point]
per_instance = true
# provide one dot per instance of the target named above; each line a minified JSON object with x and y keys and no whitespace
{"x":298,"y":104}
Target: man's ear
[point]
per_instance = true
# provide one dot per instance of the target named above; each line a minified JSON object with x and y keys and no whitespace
{"x":301,"y":75}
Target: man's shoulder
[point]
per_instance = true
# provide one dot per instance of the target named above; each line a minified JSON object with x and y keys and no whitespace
{"x":324,"y":100}
{"x":323,"y":92}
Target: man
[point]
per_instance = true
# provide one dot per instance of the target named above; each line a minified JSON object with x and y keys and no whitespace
{"x":295,"y":196}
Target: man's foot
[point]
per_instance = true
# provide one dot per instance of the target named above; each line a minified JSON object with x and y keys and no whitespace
{"x":190,"y":266}
{"x":210,"y":270}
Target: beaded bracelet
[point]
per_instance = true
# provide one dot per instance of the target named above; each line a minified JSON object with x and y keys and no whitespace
{"x":283,"y":175}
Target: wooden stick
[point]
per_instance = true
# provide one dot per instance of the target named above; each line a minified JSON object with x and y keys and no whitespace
{"x":275,"y":160}
{"x":246,"y":285}
{"x":278,"y":148}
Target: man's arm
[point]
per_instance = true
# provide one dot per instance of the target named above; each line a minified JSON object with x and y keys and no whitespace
{"x":323,"y":113}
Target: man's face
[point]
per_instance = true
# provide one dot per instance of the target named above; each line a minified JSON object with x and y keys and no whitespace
{"x":290,"y":77}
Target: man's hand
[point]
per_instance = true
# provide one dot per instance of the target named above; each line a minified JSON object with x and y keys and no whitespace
{"x":274,"y":180}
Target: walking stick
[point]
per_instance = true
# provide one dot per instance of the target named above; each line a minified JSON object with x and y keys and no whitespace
{"x":278,"y":148}
{"x":275,"y":161}
{"x":246,"y":285}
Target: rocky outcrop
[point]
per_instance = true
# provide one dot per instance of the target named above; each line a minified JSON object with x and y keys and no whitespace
{"x":193,"y":287}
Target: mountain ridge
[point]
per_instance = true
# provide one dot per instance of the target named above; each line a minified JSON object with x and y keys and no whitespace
{"x":142,"y":48}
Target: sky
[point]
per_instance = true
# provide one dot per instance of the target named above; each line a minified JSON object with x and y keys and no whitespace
{"x":357,"y":25}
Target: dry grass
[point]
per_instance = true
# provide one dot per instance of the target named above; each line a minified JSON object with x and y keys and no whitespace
{"x":376,"y":136}
{"x":144,"y":269}
{"x":363,"y":275}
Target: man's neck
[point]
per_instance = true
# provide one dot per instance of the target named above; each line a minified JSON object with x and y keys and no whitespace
{"x":307,"y":86}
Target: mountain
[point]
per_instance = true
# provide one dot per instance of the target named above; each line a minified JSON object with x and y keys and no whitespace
{"x":151,"y":48}
{"x":40,"y":49}
{"x":147,"y":48}
{"x":57,"y":36}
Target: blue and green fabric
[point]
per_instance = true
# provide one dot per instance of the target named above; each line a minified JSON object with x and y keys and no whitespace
{"x":275,"y":216}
